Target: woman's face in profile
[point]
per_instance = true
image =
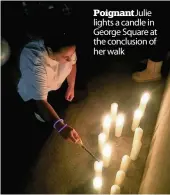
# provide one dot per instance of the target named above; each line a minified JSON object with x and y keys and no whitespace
{"x":65,"y":54}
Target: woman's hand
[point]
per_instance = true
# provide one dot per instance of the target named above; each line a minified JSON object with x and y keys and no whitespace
{"x":70,"y":134}
{"x":69,"y":94}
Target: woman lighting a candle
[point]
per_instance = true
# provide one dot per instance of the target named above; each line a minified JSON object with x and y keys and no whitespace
{"x":44,"y":65}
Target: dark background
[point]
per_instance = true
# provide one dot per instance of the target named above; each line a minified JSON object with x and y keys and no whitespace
{"x":22,"y":137}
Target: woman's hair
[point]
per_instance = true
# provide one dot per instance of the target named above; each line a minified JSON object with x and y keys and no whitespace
{"x":58,"y":41}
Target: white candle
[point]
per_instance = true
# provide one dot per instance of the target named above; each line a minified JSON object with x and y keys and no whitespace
{"x":144,"y":100}
{"x":119,"y":125}
{"x":138,"y":135}
{"x":101,"y":141}
{"x":125,"y":163}
{"x":115,"y":189}
{"x":135,"y":149}
{"x":114,"y":108}
{"x":107,"y":151}
{"x":98,"y":166}
{"x":120,"y":176}
{"x":136,"y":119}
{"x":97,"y":183}
{"x":107,"y":124}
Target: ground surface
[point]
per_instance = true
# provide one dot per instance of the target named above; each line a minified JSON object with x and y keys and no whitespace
{"x":63,"y":167}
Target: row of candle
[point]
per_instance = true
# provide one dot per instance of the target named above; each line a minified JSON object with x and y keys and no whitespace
{"x":119,"y":119}
{"x":126,"y":160}
{"x":106,"y":149}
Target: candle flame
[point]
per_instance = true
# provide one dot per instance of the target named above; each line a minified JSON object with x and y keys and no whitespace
{"x":114,"y":107}
{"x":120,"y":119}
{"x":98,"y":165}
{"x":97,"y":182}
{"x":115,"y":189}
{"x":138,"y":113}
{"x":107,"y":150}
{"x":145,"y":97}
{"x":107,"y":121}
{"x":102,"y":137}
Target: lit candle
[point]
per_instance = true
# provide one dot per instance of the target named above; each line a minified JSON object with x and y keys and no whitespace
{"x":107,"y":124}
{"x":138,"y":135}
{"x":115,"y":189}
{"x":125,"y":163}
{"x":98,"y":166}
{"x":97,"y":183}
{"x":144,"y":100}
{"x":114,"y":108}
{"x":136,"y":119}
{"x":120,"y":176}
{"x":107,"y":151}
{"x":135,"y":149}
{"x":119,"y":125}
{"x":101,"y":141}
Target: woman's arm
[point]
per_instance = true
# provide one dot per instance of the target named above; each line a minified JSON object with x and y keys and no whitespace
{"x":49,"y":114}
{"x":72,"y":77}
{"x":46,"y":110}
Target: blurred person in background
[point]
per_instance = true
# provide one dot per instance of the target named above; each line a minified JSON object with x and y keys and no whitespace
{"x":160,"y":52}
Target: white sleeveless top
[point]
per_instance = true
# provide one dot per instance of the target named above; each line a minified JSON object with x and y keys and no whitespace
{"x":39,"y":73}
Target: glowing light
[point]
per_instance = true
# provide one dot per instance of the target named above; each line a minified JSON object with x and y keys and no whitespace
{"x":138,"y":113}
{"x":98,"y":166}
{"x":114,"y":108}
{"x":97,"y":183}
{"x":101,"y":140}
{"x":119,"y":125}
{"x":115,"y":189}
{"x":107,"y":151}
{"x":107,"y":124}
{"x":145,"y":98}
{"x":136,"y":119}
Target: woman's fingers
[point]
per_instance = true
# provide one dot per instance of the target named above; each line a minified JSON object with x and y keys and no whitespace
{"x":74,"y":136}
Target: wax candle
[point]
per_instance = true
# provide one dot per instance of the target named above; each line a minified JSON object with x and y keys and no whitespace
{"x":119,"y":125}
{"x":143,"y":102}
{"x":107,"y":151}
{"x":120,"y":176}
{"x":101,"y":140}
{"x":135,"y":149}
{"x":138,"y":135}
{"x":136,"y":119}
{"x":98,"y":166}
{"x":97,"y":183}
{"x":114,"y":108}
{"x":107,"y":124}
{"x":125,"y":163}
{"x":115,"y":189}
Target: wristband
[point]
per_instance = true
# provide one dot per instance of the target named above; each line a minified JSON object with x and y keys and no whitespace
{"x":62,"y":128}
{"x":57,"y":122}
